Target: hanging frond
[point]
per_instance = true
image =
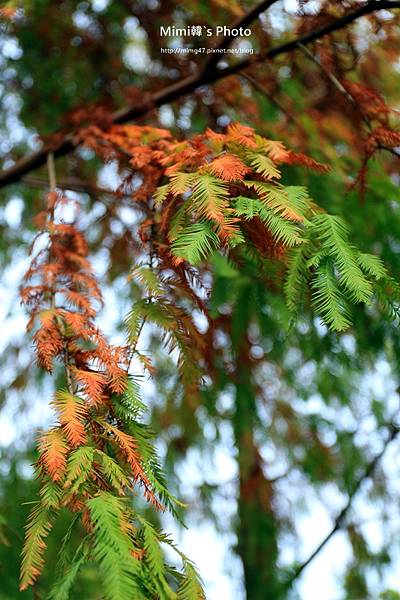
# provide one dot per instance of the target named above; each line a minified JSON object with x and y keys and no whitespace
{"x":282,"y":230}
{"x":61,"y":590}
{"x":263,"y":165}
{"x":181,"y":182}
{"x":288,"y":202}
{"x":371,"y":265}
{"x":92,"y":383}
{"x":145,"y":440}
{"x":229,"y":167}
{"x":129,"y":405}
{"x":53,"y":451}
{"x":190,"y":587}
{"x":387,"y":292}
{"x":79,"y":468}
{"x":37,"y":529}
{"x":155,"y":560}
{"x":161,"y":194}
{"x":328,"y":299}
{"x":71,"y":413}
{"x":333,"y":234}
{"x":296,"y":276}
{"x":148,"y":279}
{"x":196,"y":243}
{"x":113,"y":472}
{"x":241,"y":135}
{"x":128,"y":446}
{"x":178,"y":223}
{"x":246,"y":207}
{"x":50,"y":494}
{"x":209,"y":198}
{"x":113,"y":549}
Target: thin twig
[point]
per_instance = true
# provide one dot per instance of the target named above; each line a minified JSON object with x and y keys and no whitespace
{"x":368,"y":472}
{"x":243,"y":21}
{"x":133,"y":349}
{"x":334,"y":80}
{"x":190,"y":84}
{"x":52,"y":172}
{"x":73,"y":184}
{"x":263,"y":90}
{"x":58,"y":321}
{"x":349,"y":97}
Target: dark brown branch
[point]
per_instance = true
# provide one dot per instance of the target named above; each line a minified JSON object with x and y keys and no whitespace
{"x":189,"y":85}
{"x":312,"y":36}
{"x":368,"y":472}
{"x":73,"y":184}
{"x":248,"y":18}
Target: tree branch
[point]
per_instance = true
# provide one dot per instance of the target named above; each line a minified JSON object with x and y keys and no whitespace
{"x":259,"y":87}
{"x":248,"y":18}
{"x":312,"y":36}
{"x":368,"y":472}
{"x":190,"y":84}
{"x":73,"y":184}
{"x":336,"y":83}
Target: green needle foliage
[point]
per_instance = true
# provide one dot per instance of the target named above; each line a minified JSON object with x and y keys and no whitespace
{"x":195,"y":243}
{"x":112,"y":548}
